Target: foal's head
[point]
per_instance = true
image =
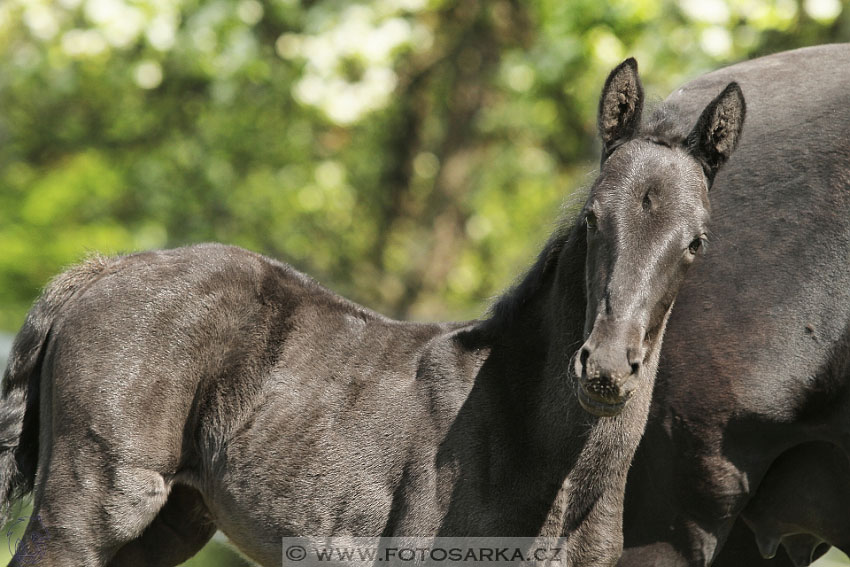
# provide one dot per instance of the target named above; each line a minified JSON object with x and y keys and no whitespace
{"x":646,"y":220}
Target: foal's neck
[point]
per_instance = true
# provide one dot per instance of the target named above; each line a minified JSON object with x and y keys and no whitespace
{"x":534,"y":330}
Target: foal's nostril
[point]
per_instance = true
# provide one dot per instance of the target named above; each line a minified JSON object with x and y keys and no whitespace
{"x":635,"y":367}
{"x":583,"y":356}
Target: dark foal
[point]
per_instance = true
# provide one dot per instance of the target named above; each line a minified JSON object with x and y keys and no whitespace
{"x":153,"y":398}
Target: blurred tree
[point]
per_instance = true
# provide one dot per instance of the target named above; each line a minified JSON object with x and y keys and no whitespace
{"x":411,"y":154}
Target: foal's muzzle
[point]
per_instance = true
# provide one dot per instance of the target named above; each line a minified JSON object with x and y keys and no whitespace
{"x":607,"y":367}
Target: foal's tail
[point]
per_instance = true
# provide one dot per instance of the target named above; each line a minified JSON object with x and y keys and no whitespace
{"x":19,"y":398}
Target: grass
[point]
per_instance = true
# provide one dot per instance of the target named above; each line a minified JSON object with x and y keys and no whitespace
{"x":832,"y":559}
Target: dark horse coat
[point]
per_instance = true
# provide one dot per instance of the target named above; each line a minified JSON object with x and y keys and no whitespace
{"x":756,"y":358}
{"x":153,"y":398}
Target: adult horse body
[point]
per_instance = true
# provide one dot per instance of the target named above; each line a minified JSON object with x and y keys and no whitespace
{"x":757,"y":352}
{"x":154,"y":397}
{"x":803,"y":501}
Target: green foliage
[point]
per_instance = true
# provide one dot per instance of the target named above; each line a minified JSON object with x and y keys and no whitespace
{"x":412,"y":154}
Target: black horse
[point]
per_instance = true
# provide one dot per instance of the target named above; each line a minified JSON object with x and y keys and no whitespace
{"x":153,"y":398}
{"x":802,"y":502}
{"x":756,"y":359}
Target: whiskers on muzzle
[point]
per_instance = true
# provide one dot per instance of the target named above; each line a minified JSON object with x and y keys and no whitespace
{"x":603,"y":387}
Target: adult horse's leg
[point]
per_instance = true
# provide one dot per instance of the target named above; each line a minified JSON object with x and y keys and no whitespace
{"x":178,"y":532}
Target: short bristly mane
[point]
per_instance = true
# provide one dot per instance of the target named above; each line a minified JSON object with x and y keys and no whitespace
{"x":665,"y":125}
{"x":505,"y":309}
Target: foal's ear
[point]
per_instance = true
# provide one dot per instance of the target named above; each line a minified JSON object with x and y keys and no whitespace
{"x":620,"y":106}
{"x":718,"y":129}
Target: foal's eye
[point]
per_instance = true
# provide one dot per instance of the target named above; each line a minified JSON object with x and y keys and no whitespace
{"x":590,"y":220}
{"x":695,"y":246}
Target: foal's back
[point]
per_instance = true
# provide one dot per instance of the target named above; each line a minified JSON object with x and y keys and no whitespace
{"x":241,"y":382}
{"x":210,"y":332}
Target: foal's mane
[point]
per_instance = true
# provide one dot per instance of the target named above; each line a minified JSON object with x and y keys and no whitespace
{"x":665,"y":124}
{"x":506,"y":308}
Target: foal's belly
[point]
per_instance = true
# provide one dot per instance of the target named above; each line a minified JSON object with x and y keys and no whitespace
{"x":313,"y":475}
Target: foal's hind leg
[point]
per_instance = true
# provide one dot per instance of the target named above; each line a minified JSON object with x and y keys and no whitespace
{"x":180,"y":530}
{"x":88,"y":505}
